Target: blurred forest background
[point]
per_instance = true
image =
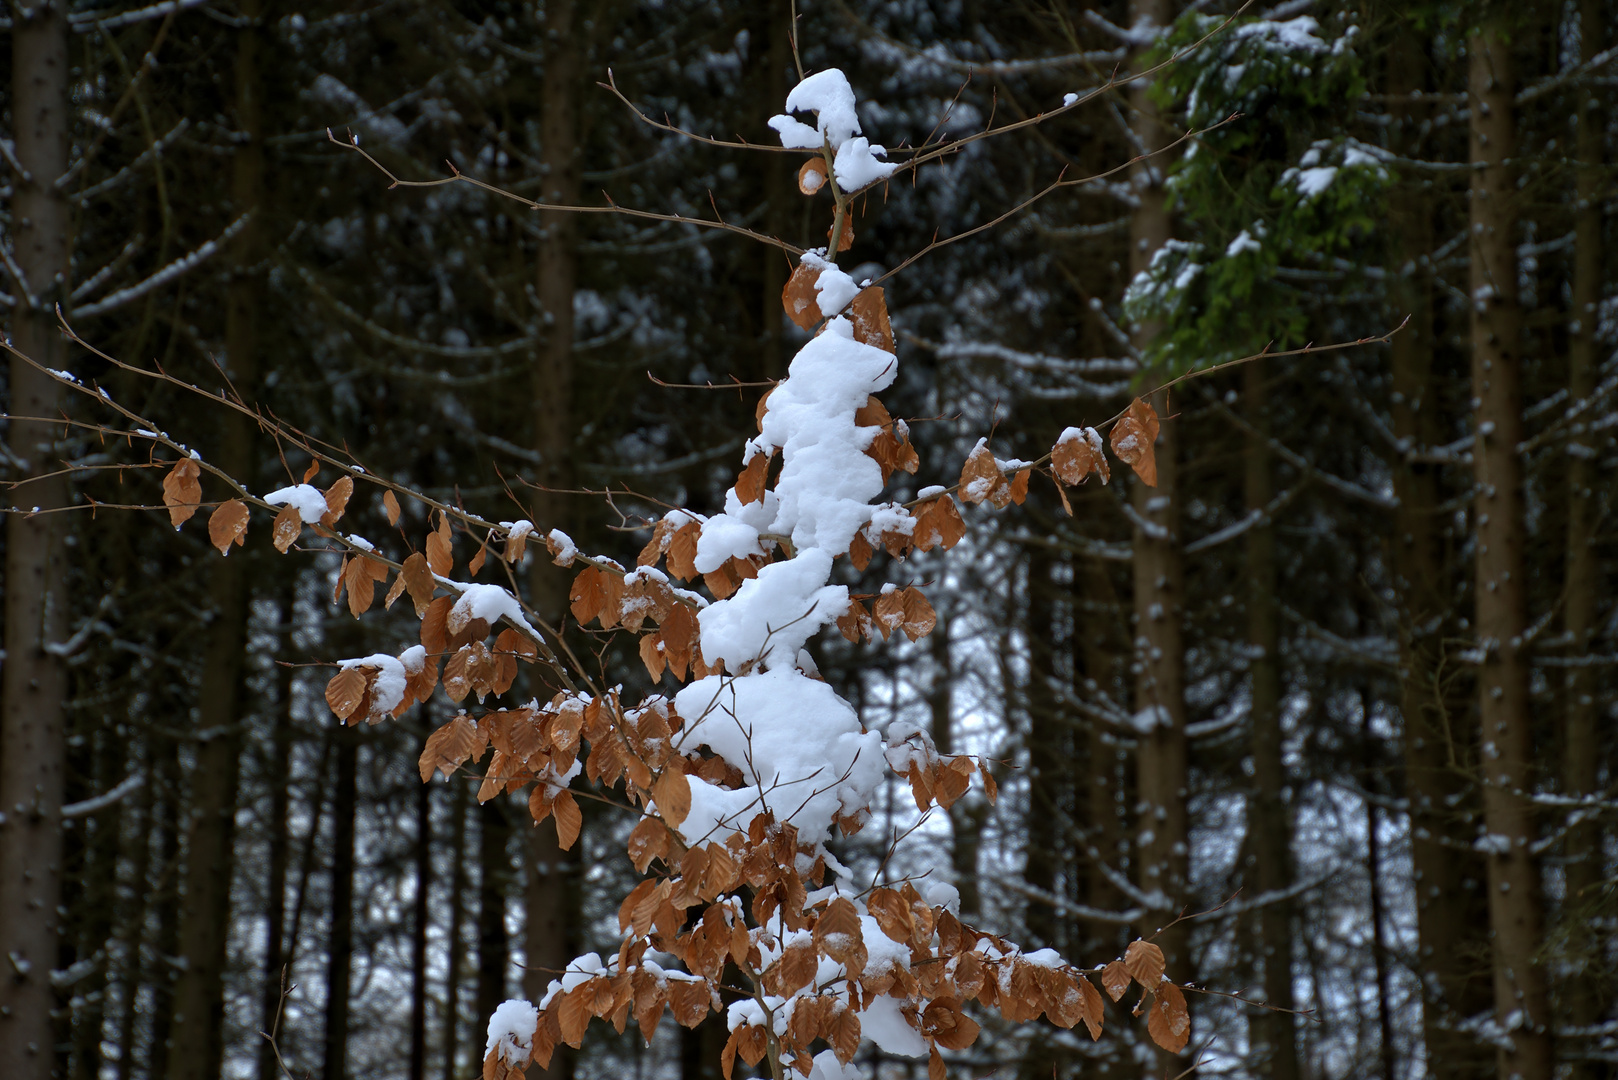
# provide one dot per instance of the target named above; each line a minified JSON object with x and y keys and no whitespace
{"x":1359,"y":646}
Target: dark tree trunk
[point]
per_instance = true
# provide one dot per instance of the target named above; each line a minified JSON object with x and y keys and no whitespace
{"x":34,"y":684}
{"x":339,"y":964}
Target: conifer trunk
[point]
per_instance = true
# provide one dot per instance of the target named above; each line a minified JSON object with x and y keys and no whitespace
{"x":36,"y":604}
{"x":1158,"y":572}
{"x":1269,"y":824}
{"x":550,"y":901}
{"x":1506,"y":745}
{"x":339,"y":964}
{"x":210,"y":858}
{"x":418,"y":934}
{"x":1581,"y":740}
{"x":1450,"y":907}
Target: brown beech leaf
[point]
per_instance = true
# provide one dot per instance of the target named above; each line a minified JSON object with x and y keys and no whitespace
{"x":227,"y":525}
{"x":1019,"y":486}
{"x":182,"y":491}
{"x":855,"y":623}
{"x":1077,"y":454}
{"x":337,"y":500}
{"x":440,"y":548}
{"x":892,"y":913}
{"x":846,"y":241}
{"x":416,"y":579}
{"x":800,"y":299}
{"x":1145,"y":962}
{"x":682,"y":553}
{"x":750,"y":482}
{"x":919,"y":616}
{"x":871,"y":318}
{"x":982,"y":481}
{"x":935,"y":1064}
{"x":889,"y":612}
{"x":860,"y":551}
{"x":478,"y":560}
{"x":345,"y":692}
{"x":574,"y":1014}
{"x":1115,"y":979}
{"x":390,"y":507}
{"x":568,"y":819}
{"x":1167,"y":1019}
{"x":517,"y":544}
{"x":288,"y":524}
{"x":311,"y":472}
{"x":797,"y":967}
{"x":811,"y":178}
{"x":451,"y":746}
{"x":1094,"y":1010}
{"x":1134,"y":438}
{"x":673,"y":794}
{"x":434,"y":633}
{"x":648,"y":840}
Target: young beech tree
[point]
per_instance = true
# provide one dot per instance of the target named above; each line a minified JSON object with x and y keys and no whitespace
{"x":740,"y":777}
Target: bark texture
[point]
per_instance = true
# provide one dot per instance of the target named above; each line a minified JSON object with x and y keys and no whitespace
{"x":1506,"y":743}
{"x":199,"y":1006}
{"x":34,"y":685}
{"x":1269,"y":825}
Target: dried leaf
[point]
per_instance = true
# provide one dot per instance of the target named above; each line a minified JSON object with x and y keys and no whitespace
{"x":750,"y":483}
{"x":390,"y":507}
{"x":935,"y":1064}
{"x":860,"y":552}
{"x":434,"y":635}
{"x":811,"y":178}
{"x":846,"y":241}
{"x":1134,"y":438}
{"x":870,"y":317}
{"x":478,"y":560}
{"x":288,"y":524}
{"x":982,"y":481}
{"x":1078,"y":454}
{"x":800,"y":298}
{"x":1019,"y":486}
{"x":919,"y":616}
{"x":855,"y":623}
{"x":1144,"y":961}
{"x":568,"y":819}
{"x":1167,"y":1020}
{"x":892,"y":913}
{"x":346,"y":691}
{"x":228,"y":524}
{"x":1094,"y":1011}
{"x":673,"y":795}
{"x":573,"y":1013}
{"x":451,"y":746}
{"x":587,"y":595}
{"x":683,"y":551}
{"x":417,"y":580}
{"x":889,"y":612}
{"x":440,"y":548}
{"x":337,"y":497}
{"x":1115,"y":979}
{"x":648,"y":840}
{"x":311,"y":472}
{"x":182,"y":491}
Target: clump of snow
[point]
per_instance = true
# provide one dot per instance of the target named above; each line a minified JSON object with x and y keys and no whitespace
{"x":834,"y":290}
{"x":309,"y":500}
{"x":1244,"y":242}
{"x":388,"y":687}
{"x":801,"y":744}
{"x":490,"y":603}
{"x":857,"y":164}
{"x":769,"y":618}
{"x":511,"y":1031}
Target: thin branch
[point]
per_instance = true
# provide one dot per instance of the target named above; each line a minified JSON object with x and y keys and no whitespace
{"x":611,"y":207}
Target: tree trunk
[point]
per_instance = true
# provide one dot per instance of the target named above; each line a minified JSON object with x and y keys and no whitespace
{"x":339,"y":965}
{"x":1581,"y":740}
{"x":551,"y":899}
{"x":277,"y":777}
{"x":1515,"y":918}
{"x":457,"y":923}
{"x":966,"y":814}
{"x":418,"y":933}
{"x":1049,"y":752}
{"x":1450,"y":907}
{"x":199,"y":1007}
{"x":34,"y":683}
{"x":1158,"y":586}
{"x":1268,"y":821}
{"x":494,"y":883}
